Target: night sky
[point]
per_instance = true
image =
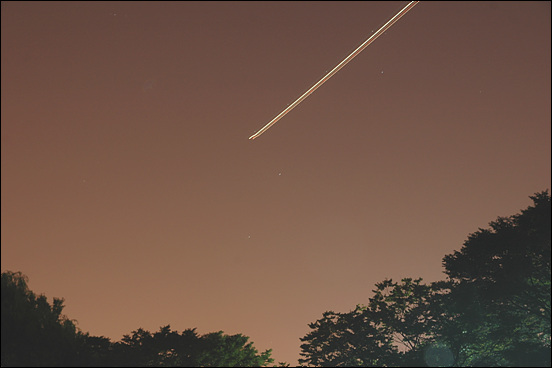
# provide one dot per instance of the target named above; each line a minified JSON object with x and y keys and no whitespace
{"x":130,"y":188}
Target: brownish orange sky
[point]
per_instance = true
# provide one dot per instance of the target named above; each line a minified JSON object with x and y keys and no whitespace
{"x":129,"y":186}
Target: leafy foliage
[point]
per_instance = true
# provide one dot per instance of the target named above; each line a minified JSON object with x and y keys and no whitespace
{"x":392,"y":329}
{"x":35,"y":333}
{"x":345,"y":340}
{"x":501,"y":289}
{"x":493,"y":310}
{"x":171,"y":349}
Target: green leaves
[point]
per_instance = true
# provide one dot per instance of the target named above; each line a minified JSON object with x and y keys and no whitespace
{"x":494,"y":309}
{"x":169,"y":348}
{"x":501,"y":292}
{"x":221,"y":350}
{"x":36,"y":333}
{"x":393,"y":328}
{"x":345,"y":339}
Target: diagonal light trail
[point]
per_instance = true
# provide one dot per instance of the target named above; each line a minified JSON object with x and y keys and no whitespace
{"x":371,"y":39}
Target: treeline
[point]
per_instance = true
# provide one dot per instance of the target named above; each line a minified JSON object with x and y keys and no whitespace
{"x":35,"y":333}
{"x":493,"y":309}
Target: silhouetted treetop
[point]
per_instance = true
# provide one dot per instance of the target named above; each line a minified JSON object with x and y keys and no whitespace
{"x":493,"y":310}
{"x":35,"y":333}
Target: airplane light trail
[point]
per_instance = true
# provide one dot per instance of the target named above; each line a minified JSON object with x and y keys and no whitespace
{"x":380,"y":31}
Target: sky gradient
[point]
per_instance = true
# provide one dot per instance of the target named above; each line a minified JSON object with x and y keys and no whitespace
{"x":130,"y":188}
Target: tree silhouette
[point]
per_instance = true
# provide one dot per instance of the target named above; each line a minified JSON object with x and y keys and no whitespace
{"x":35,"y":333}
{"x":346,"y":340}
{"x":493,"y":310}
{"x":391,"y":330}
{"x":219,"y":350}
{"x":94,"y":351}
{"x":501,"y":289}
{"x":169,"y":348}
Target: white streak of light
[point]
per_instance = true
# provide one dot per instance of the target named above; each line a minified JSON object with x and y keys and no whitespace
{"x":337,"y":68}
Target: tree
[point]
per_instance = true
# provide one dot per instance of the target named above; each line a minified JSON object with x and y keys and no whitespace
{"x":501,"y":288}
{"x":408,"y":312}
{"x":493,"y":310}
{"x":94,"y":351}
{"x":392,"y":329}
{"x":169,"y":348}
{"x":510,"y":262}
{"x":34,"y":333}
{"x":346,"y":340}
{"x":219,"y":350}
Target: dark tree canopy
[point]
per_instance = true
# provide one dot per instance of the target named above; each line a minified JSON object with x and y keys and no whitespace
{"x":501,"y":288}
{"x":35,"y":333}
{"x":493,"y":310}
{"x":188,"y":349}
{"x":509,"y":264}
{"x":345,"y":340}
{"x":393,"y":329}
